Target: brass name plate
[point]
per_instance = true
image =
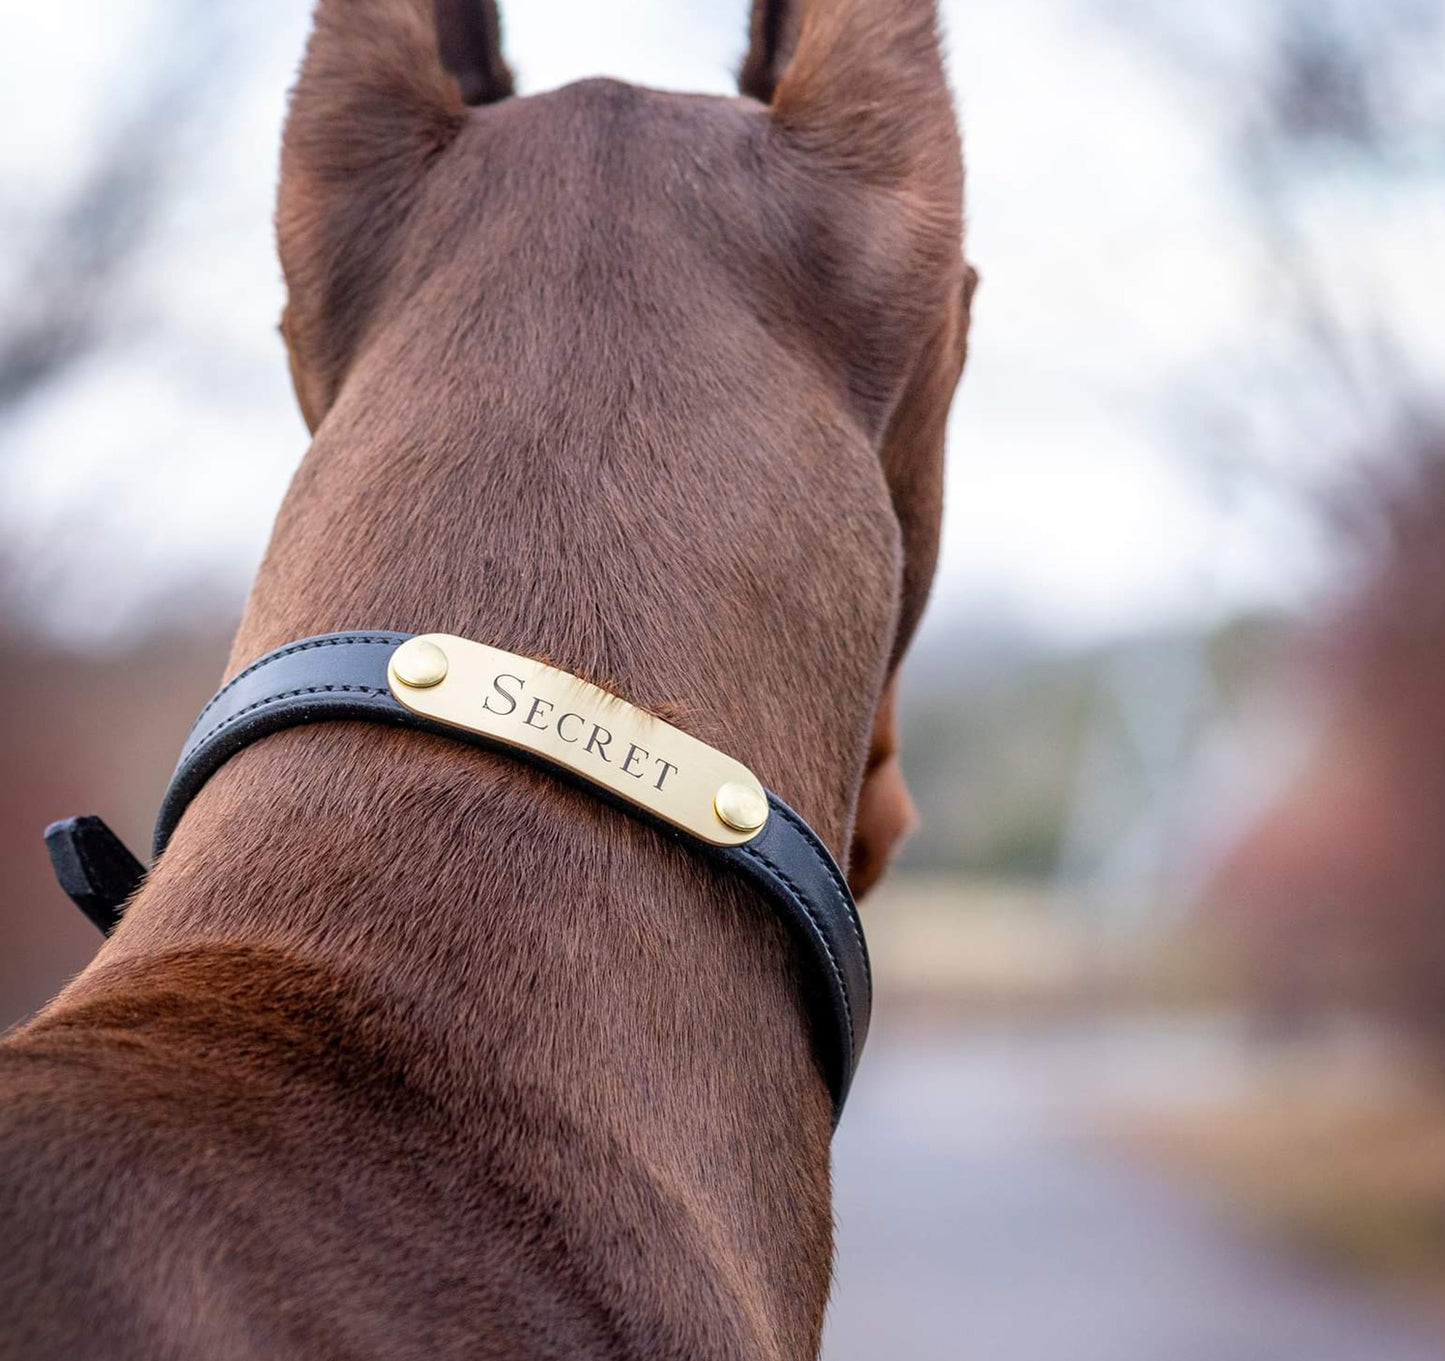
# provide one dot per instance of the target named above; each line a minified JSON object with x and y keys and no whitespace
{"x":571,"y":723}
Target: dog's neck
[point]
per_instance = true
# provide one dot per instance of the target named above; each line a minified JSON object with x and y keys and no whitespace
{"x":610,"y":1027}
{"x":544,"y":962}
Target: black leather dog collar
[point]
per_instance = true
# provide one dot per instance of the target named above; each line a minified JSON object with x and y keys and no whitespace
{"x":346,"y":676}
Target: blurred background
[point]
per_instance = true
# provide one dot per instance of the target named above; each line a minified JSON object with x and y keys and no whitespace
{"x":1159,"y":1068}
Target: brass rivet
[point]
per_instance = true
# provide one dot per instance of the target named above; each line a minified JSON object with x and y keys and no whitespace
{"x":743,"y":807}
{"x":419,"y":664}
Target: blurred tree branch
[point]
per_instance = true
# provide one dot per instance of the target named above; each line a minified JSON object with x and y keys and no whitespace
{"x":1332,"y":117}
{"x":69,"y":257}
{"x":1333,"y":123}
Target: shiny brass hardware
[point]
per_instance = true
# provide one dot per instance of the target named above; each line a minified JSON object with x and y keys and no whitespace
{"x":419,"y":663}
{"x":568,"y":722}
{"x":744,"y":807}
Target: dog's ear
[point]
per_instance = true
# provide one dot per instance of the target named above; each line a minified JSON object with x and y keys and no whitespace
{"x":871,"y":157}
{"x":861,"y":83}
{"x":859,"y":97}
{"x":886,"y":811}
{"x":383,"y":89}
{"x":469,"y":39}
{"x":772,"y":39}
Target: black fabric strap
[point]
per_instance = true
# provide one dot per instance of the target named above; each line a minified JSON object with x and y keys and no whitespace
{"x":344,"y":676}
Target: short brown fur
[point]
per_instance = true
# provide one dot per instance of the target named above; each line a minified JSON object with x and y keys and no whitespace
{"x":404,"y":1049}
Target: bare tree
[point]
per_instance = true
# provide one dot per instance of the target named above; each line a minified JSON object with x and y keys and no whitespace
{"x":69,"y":255}
{"x":1328,"y":105}
{"x":1320,"y":104}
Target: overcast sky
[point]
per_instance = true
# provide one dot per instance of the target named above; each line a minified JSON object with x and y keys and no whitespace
{"x":1116,"y":267}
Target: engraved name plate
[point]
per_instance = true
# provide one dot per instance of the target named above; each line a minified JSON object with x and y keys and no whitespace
{"x":568,"y":722}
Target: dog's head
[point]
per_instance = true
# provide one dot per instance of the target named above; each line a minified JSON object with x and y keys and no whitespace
{"x":732,"y":327}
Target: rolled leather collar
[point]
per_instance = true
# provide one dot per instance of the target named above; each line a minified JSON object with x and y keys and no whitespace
{"x":497,"y":700}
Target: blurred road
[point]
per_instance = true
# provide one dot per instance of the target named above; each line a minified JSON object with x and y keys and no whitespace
{"x":979,"y":1217}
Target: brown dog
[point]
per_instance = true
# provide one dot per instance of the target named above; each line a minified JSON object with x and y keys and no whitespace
{"x":405,"y":1049}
